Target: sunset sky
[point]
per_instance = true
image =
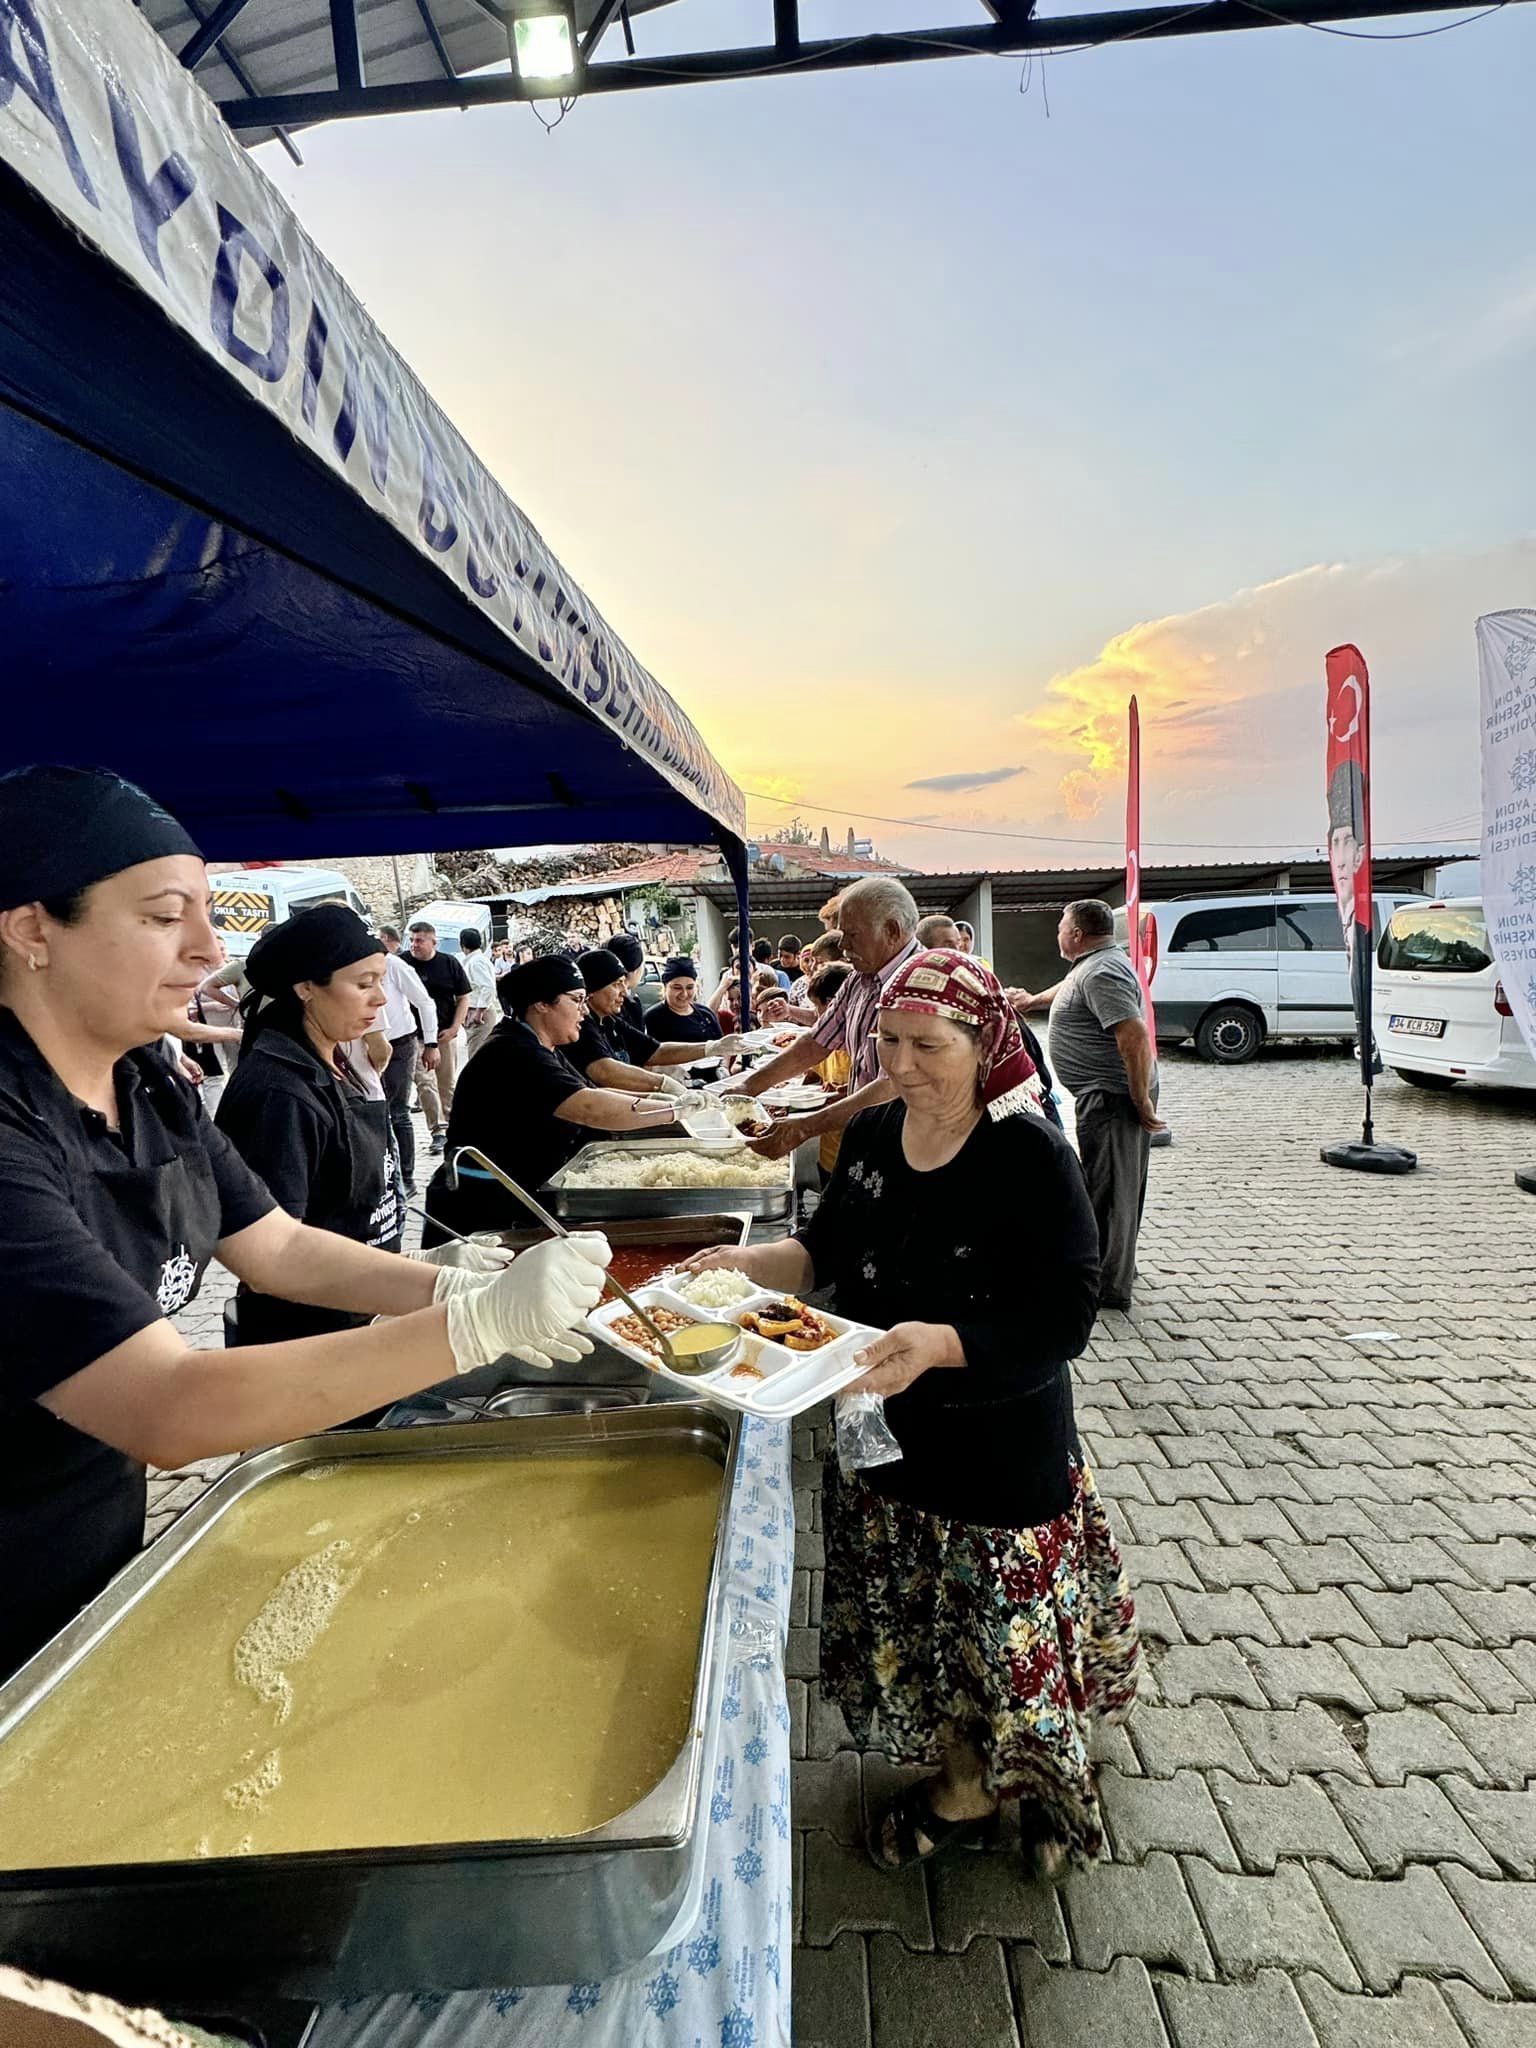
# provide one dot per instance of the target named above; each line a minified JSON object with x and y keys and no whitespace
{"x":903,"y":429}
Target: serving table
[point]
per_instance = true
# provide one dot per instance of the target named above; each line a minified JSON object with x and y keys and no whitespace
{"x":724,"y":1982}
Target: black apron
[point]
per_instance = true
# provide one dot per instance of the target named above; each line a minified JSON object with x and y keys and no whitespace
{"x":359,"y":1195}
{"x":73,"y":1514}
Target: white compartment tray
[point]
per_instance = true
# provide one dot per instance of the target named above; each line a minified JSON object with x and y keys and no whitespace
{"x":792,"y":1380}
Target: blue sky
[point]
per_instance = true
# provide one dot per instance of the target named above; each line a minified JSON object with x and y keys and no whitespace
{"x":875,"y":409}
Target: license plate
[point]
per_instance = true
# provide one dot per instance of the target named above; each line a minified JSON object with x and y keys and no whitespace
{"x":1418,"y":1027}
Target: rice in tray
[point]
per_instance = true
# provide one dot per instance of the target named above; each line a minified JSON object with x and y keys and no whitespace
{"x":718,"y":1287}
{"x":682,"y":1170}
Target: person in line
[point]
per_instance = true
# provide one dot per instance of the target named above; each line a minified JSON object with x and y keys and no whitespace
{"x":484,"y":1012}
{"x":940,"y":931}
{"x":789,"y":961}
{"x":223,"y":991}
{"x":448,"y":985}
{"x":975,"y":1602}
{"x":836,"y":1070}
{"x":824,"y":951}
{"x":679,"y":1017}
{"x":770,"y":1005}
{"x":409,"y":1025}
{"x":611,"y":1053}
{"x":829,"y":917}
{"x":1102,"y":1051}
{"x":524,"y":1104}
{"x":762,"y":956}
{"x":879,"y":931}
{"x":301,"y":1114}
{"x":119,"y":1191}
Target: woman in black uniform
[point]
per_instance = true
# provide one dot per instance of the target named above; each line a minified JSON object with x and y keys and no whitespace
{"x":678,"y":1018}
{"x":527,"y":1106}
{"x":301,"y":1116}
{"x":118,"y":1191}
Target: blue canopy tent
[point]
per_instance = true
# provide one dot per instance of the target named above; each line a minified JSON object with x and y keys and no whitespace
{"x":243,"y":557}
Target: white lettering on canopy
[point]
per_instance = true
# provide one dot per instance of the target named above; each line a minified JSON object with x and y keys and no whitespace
{"x":100,"y":119}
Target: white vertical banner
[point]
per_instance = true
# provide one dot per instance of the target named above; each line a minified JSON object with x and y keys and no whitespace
{"x":1506,"y":665}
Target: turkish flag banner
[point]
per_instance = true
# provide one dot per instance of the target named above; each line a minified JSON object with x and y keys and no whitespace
{"x":1349,"y":825}
{"x":1138,"y":933}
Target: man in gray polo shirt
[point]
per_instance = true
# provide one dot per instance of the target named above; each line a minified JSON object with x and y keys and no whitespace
{"x":1101,"y":1050}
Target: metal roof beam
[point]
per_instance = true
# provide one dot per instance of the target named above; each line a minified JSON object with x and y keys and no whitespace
{"x":607,"y":13}
{"x":423,"y":8}
{"x":242,"y":78}
{"x":208,"y":37}
{"x":347,"y":46}
{"x":994,"y":39}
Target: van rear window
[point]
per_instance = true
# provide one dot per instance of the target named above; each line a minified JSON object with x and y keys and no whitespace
{"x":1240,"y":928}
{"x":1422,"y":940}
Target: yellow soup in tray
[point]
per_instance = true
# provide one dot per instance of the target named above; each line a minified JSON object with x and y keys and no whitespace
{"x":372,"y":1653}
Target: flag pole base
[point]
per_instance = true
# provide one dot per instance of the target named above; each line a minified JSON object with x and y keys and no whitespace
{"x":1525,"y":1177}
{"x":1360,"y":1158}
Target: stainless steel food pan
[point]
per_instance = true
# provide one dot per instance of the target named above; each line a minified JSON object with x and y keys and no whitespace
{"x":327,"y":1924}
{"x":573,"y":1203}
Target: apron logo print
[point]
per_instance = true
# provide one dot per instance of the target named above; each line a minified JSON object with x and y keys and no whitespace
{"x":178,"y":1278}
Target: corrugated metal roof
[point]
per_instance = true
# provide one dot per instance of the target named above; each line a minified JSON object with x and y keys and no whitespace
{"x":282,"y":46}
{"x":1045,"y":888}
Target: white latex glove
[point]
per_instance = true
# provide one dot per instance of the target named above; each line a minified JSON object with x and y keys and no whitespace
{"x":729,"y":1048}
{"x":469,"y":1258}
{"x":671,"y":1085}
{"x":532,"y":1307}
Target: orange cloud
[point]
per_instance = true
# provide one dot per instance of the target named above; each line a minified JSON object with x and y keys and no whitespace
{"x":1230,"y":694}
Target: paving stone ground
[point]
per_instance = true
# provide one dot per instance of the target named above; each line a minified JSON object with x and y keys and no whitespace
{"x":1323,"y":1811}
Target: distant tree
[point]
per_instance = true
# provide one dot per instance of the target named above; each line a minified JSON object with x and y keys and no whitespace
{"x":795,"y":833}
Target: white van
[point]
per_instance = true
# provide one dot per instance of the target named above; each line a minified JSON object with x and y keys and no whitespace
{"x":1438,"y":1009}
{"x":448,"y":919}
{"x":1233,"y":971}
{"x":247,"y":900}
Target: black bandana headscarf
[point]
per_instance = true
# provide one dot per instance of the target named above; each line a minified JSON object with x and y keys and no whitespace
{"x":61,"y":829}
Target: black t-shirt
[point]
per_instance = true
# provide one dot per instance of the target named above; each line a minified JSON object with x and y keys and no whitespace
{"x":102,"y":1233}
{"x":505,"y":1104}
{"x":667,"y":1028}
{"x":1002,"y":1245}
{"x":68,"y":1299}
{"x":611,"y":1038}
{"x":445,"y":981}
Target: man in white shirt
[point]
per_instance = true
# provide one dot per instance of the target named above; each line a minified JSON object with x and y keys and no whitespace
{"x":484,"y":1012}
{"x":409,"y":1019}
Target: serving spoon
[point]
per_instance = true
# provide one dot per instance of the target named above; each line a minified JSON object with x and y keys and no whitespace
{"x":689,"y":1366}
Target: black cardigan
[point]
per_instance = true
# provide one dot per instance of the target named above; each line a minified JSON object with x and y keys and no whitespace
{"x":1002,"y":1244}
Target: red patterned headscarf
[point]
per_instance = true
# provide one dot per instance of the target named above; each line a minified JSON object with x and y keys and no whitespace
{"x":957,"y":986}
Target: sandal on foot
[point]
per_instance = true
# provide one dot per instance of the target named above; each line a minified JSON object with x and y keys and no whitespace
{"x":911,"y":1815}
{"x":1047,"y":1859}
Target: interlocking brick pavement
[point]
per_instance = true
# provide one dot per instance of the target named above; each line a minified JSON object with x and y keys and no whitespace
{"x":1322,"y":1821}
{"x":1323,"y":1812}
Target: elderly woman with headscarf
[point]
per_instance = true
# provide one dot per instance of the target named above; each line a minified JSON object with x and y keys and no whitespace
{"x":974,"y":1597}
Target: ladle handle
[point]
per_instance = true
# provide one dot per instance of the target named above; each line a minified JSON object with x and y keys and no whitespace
{"x":553,"y":1223}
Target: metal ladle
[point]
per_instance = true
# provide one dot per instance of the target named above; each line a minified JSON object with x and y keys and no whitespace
{"x":690,"y":1367}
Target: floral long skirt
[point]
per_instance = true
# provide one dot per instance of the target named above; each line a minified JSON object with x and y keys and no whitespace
{"x":1015,"y":1640}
